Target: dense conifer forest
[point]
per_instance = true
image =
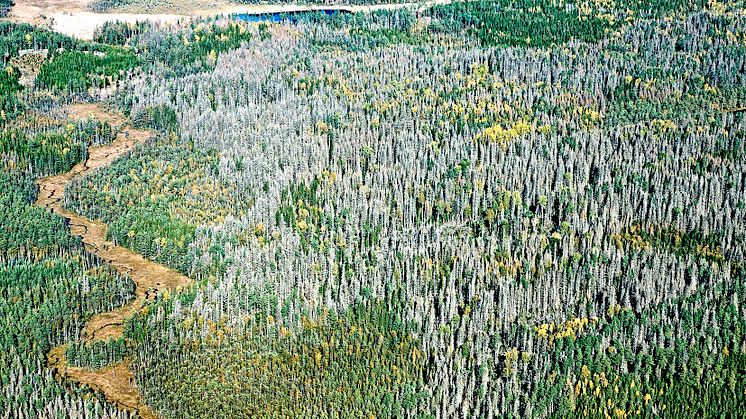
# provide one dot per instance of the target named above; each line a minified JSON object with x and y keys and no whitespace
{"x":491,"y":208}
{"x":5,"y":6}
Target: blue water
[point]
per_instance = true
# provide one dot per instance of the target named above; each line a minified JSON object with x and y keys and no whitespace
{"x":286,"y":16}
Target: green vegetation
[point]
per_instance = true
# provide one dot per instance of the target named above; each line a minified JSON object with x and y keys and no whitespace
{"x":188,"y":50}
{"x":97,"y":354}
{"x":168,"y":190}
{"x":466,"y":182}
{"x":72,"y":66}
{"x":533,"y":23}
{"x":77,"y":71}
{"x":107,"y":5}
{"x":5,"y":6}
{"x":49,"y":153}
{"x":493,"y":208}
{"x":19,"y":36}
{"x":161,"y":118}
{"x":10,"y":105}
{"x":52,"y":151}
{"x":660,"y":381}
{"x":49,"y":284}
{"x":361,"y":362}
{"x":120,"y":33}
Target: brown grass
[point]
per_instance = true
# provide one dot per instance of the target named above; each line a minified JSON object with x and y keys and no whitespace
{"x":116,"y":381}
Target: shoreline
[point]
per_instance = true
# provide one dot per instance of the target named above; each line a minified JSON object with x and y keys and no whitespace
{"x":80,"y":23}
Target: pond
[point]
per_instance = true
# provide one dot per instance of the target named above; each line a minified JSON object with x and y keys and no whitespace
{"x":292,"y":16}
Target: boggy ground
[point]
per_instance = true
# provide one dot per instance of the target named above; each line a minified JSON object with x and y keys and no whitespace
{"x":115,"y":381}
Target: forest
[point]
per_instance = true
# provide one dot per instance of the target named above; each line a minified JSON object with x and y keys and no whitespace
{"x":490,"y":208}
{"x":49,"y":283}
{"x":150,"y":5}
{"x":5,"y":6}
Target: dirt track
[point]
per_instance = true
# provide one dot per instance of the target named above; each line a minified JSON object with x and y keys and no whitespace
{"x":115,"y":381}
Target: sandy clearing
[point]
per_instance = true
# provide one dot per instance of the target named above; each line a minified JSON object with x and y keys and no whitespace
{"x":35,"y":11}
{"x":79,"y":111}
{"x":29,"y":65}
{"x":82,"y":25}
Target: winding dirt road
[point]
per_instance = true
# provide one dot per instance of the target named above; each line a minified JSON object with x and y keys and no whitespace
{"x":116,"y":381}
